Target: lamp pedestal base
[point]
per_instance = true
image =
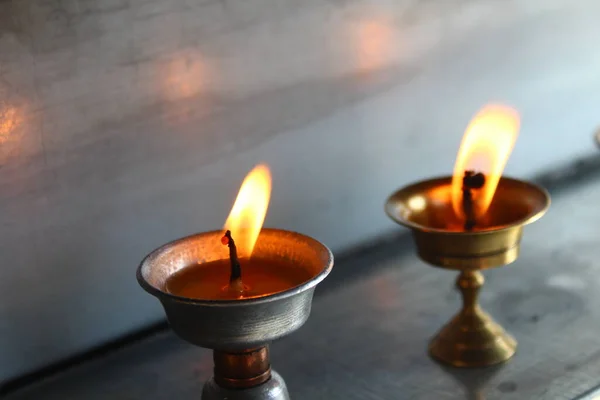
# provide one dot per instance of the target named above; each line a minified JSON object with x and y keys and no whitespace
{"x":244,"y":375}
{"x":272,"y":389}
{"x":472,"y":338}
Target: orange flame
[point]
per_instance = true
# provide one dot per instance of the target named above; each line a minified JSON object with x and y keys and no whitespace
{"x":486,"y":146}
{"x":249,"y":210}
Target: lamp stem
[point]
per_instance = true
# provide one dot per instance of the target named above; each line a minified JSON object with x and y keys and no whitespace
{"x":242,"y":368}
{"x":469,"y":283}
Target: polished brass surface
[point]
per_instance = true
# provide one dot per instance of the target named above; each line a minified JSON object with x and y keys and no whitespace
{"x":471,"y":338}
{"x":425,"y":207}
{"x":243,"y":369}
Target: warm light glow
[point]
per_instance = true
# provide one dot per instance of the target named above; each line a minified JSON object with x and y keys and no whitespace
{"x":9,"y":120}
{"x":417,"y":203}
{"x":249,"y":210}
{"x":486,"y":146}
{"x":184,"y":75}
{"x":375,"y":43}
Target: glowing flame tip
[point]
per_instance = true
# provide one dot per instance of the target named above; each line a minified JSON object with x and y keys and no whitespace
{"x":486,"y":147}
{"x":250,"y":209}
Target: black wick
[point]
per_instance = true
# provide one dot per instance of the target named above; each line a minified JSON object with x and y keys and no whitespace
{"x":471,"y":180}
{"x":236,"y":269}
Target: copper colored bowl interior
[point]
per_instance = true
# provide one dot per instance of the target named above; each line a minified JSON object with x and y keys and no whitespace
{"x":426,"y":205}
{"x":296,"y":250}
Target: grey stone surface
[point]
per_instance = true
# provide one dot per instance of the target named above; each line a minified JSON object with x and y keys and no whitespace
{"x":367,"y":337}
{"x":127,"y":123}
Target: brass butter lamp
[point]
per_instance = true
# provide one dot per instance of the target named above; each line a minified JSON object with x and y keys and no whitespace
{"x":237,"y":296}
{"x":455,"y":229}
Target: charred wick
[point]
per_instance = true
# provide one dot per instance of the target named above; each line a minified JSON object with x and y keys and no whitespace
{"x":471,"y":181}
{"x":236,"y":268}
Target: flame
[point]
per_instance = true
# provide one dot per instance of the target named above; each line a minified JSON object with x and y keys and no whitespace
{"x":486,"y":146}
{"x":249,"y":210}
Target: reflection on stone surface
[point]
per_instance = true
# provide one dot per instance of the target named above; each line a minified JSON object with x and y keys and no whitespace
{"x":8,"y":122}
{"x":375,"y":44}
{"x":16,"y":143}
{"x":474,"y":381}
{"x":185,"y":75}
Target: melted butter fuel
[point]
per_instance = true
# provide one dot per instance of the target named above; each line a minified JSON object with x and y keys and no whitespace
{"x":210,"y":281}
